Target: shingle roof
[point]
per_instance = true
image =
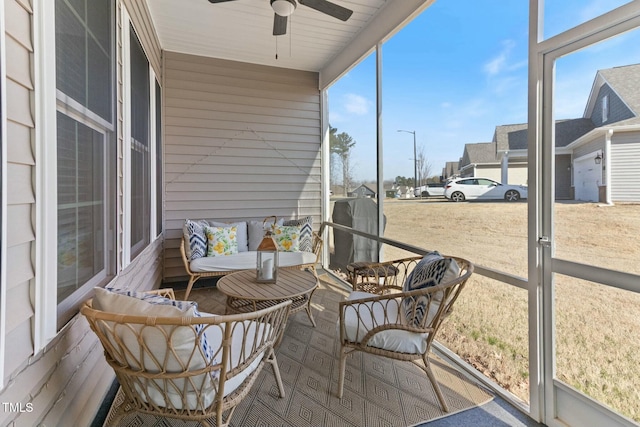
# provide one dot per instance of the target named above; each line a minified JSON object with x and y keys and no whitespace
{"x":480,"y":152}
{"x":568,"y":131}
{"x":625,"y":81}
{"x":514,"y":137}
{"x":510,"y":137}
{"x":450,"y":169}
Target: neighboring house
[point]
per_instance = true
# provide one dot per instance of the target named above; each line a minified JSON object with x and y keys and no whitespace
{"x":479,"y":159}
{"x":450,"y":170}
{"x":596,"y":156}
{"x":363,"y":190}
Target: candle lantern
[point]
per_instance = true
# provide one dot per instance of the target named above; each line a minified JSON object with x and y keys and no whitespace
{"x":267,"y":262}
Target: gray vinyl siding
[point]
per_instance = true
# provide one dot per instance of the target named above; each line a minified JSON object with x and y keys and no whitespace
{"x":617,"y":110}
{"x":66,"y":380}
{"x":242,"y":142}
{"x":20,"y":191}
{"x":625,"y":174}
{"x":589,"y":147}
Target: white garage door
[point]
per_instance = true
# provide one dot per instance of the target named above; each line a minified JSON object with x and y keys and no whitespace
{"x":587,"y":178}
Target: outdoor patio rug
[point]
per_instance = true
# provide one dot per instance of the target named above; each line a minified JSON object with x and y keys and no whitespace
{"x":378,"y":391}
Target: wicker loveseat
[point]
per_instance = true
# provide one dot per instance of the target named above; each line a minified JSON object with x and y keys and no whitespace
{"x":248,"y":237}
{"x":188,"y":366}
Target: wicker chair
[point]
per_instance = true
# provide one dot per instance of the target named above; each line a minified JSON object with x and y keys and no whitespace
{"x":164,"y":370}
{"x":377,"y":324}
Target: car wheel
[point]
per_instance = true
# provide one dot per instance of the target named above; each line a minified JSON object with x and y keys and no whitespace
{"x":425,"y":194}
{"x":512,"y":196}
{"x":457,"y":197}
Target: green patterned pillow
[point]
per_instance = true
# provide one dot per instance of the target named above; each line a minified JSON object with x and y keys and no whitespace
{"x":287,"y":237}
{"x":221,"y":241}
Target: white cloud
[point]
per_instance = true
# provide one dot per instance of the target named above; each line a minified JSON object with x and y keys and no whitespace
{"x":356,"y":104}
{"x":499,"y":63}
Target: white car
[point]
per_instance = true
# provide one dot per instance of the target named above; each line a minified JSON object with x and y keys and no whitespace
{"x":430,"y":190}
{"x":461,"y":189}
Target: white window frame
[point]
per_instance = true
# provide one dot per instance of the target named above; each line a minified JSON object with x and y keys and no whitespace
{"x":158,"y":175}
{"x":3,"y":199}
{"x":126,"y":149}
{"x":46,"y":265}
{"x":552,"y":401}
{"x":47,"y":98}
{"x":605,"y":108}
{"x":153,"y":149}
{"x":126,"y":90}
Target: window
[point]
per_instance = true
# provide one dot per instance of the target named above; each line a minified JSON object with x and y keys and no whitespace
{"x":605,"y":108}
{"x":85,"y":148}
{"x":158,"y":159}
{"x":140,"y":147}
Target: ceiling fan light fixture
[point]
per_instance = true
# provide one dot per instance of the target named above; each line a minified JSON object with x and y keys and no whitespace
{"x":283,"y":7}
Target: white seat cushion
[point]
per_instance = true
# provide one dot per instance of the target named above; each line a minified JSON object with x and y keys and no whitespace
{"x":214,"y":337}
{"x":356,"y":327}
{"x":247,"y":261}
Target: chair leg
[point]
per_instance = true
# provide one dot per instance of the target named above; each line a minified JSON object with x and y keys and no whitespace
{"x":343,"y":366}
{"x":276,"y":372}
{"x":221,"y":421}
{"x":434,"y":382}
{"x":308,"y":309}
{"x":192,"y":280}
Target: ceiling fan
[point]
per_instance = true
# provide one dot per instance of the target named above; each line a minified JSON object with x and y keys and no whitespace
{"x":284,"y":8}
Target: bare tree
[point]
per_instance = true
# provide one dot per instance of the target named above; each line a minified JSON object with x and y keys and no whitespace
{"x":424,"y":167}
{"x":341,"y":145}
{"x":334,"y":159}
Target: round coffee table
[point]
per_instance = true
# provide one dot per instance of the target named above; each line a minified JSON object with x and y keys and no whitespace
{"x":244,"y":294}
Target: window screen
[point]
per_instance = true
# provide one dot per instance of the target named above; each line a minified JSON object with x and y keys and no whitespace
{"x":140,"y":144}
{"x":85,"y":148}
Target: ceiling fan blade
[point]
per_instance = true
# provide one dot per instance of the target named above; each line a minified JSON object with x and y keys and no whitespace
{"x":279,"y":25}
{"x":331,"y":9}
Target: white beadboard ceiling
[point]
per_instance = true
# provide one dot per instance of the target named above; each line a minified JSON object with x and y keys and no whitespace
{"x":241,"y":30}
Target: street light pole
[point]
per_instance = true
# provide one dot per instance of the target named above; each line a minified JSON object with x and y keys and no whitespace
{"x":415,"y":159}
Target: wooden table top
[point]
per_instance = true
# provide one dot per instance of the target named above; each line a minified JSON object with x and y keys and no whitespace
{"x":290,"y":284}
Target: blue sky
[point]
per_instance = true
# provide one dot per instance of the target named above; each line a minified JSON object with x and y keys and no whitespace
{"x":456,"y":72}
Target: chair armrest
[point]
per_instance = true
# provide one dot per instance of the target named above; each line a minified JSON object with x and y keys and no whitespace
{"x":183,"y":254}
{"x":164,"y":292}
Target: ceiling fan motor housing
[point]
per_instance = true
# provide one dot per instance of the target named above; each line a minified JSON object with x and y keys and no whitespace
{"x":283,"y":7}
